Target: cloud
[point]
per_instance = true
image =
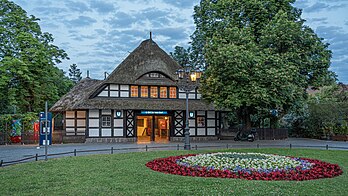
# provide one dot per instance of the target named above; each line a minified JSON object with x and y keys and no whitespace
{"x":81,"y":21}
{"x":101,"y":6}
{"x":318,"y":20}
{"x":49,"y":11}
{"x":317,"y":7}
{"x":181,"y":4}
{"x":121,"y":20}
{"x":77,"y":6}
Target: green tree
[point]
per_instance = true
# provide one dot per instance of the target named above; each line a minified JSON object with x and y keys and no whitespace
{"x":28,"y":75}
{"x":259,"y":55}
{"x":74,"y":73}
{"x":181,"y":55}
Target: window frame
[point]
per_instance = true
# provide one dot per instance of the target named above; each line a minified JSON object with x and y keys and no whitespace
{"x":147,"y":91}
{"x":163,"y":89}
{"x":107,"y":121}
{"x":171,"y":92}
{"x":151,"y":93}
{"x":134,"y":89}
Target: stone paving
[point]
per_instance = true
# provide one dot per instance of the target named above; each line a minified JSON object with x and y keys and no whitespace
{"x":16,"y":152}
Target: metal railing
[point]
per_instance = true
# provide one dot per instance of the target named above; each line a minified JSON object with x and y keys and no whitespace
{"x":146,"y":148}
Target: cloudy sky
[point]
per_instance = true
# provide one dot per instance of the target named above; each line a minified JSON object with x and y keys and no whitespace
{"x":99,"y":34}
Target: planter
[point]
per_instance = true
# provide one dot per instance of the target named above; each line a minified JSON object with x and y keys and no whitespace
{"x":16,"y":139}
{"x":340,"y":137}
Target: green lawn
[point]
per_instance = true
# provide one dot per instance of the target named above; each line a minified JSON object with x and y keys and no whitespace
{"x":126,"y":174}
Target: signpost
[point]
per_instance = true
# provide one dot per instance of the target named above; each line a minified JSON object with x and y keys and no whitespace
{"x":45,"y":129}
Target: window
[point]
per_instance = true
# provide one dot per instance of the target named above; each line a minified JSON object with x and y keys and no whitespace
{"x":172,"y":92}
{"x":144,"y":91}
{"x":154,"y":92}
{"x":155,"y":75}
{"x":200,"y":122}
{"x":106,"y":121}
{"x":163,"y":92}
{"x":134,"y":91}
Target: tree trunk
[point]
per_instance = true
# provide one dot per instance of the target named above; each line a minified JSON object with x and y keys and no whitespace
{"x":247,"y":119}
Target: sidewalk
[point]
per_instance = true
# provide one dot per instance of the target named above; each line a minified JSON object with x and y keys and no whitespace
{"x":16,"y":152}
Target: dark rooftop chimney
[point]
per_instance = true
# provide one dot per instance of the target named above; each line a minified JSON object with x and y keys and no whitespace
{"x":150,"y":35}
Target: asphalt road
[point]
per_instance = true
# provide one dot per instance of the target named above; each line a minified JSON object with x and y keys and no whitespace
{"x":10,"y":153}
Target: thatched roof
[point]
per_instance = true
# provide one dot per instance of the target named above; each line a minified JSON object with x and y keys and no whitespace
{"x":76,"y":95}
{"x":142,"y":104}
{"x":147,"y":57}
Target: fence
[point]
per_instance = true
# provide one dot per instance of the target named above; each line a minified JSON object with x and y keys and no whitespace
{"x":112,"y":150}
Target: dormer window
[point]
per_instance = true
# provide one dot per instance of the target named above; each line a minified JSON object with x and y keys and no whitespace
{"x":155,"y":75}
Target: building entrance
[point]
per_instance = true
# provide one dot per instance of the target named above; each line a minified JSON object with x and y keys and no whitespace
{"x":153,"y":128}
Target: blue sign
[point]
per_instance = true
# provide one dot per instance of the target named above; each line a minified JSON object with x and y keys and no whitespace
{"x":43,"y":128}
{"x":153,"y":112}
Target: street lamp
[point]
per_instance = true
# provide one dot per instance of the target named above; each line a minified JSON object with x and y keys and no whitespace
{"x":188,"y":80}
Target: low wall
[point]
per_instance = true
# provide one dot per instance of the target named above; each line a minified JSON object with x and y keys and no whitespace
{"x":261,"y":134}
{"x":110,"y":140}
{"x":194,"y":139}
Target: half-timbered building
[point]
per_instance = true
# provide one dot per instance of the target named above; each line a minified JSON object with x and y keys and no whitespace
{"x":139,"y":101}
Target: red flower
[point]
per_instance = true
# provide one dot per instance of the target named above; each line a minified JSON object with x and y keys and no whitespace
{"x":320,"y":169}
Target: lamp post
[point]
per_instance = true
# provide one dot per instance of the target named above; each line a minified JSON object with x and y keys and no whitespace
{"x":188,"y":80}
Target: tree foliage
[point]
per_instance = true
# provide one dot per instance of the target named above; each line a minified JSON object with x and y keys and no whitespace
{"x":28,"y":75}
{"x":74,"y":73}
{"x":258,"y":55}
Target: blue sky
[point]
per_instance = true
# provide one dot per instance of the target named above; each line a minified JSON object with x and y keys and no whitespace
{"x":99,"y":34}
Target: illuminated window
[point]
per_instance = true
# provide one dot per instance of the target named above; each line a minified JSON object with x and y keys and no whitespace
{"x":154,"y":92}
{"x":200,"y":122}
{"x":144,"y":91}
{"x":163,"y":92}
{"x":172,"y":92}
{"x":134,"y":91}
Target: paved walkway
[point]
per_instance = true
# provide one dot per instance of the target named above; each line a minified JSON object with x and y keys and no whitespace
{"x":16,"y":152}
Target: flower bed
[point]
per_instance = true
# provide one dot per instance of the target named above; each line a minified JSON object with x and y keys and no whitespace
{"x":250,"y":166}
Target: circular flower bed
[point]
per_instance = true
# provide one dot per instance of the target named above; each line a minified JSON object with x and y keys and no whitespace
{"x":250,"y":166}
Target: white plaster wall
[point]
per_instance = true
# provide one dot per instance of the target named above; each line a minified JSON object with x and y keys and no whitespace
{"x":182,"y":96}
{"x":118,"y":132}
{"x":94,"y":132}
{"x":70,"y":114}
{"x":124,"y":94}
{"x":81,"y":131}
{"x":211,"y":131}
{"x":211,"y":123}
{"x":113,"y":87}
{"x":192,"y":131}
{"x":113,"y":93}
{"x":103,"y":94}
{"x":106,"y":132}
{"x":106,"y":112}
{"x":94,"y":113}
{"x":70,"y":122}
{"x":200,"y":131}
{"x":124,"y":87}
{"x":211,"y":114}
{"x":70,"y":131}
{"x":81,"y":123}
{"x":118,"y":122}
{"x":93,"y":122}
{"x":201,"y":113}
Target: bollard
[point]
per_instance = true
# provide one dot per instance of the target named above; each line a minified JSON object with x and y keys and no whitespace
{"x":290,"y":146}
{"x":1,"y":162}
{"x":177,"y":147}
{"x":36,"y":157}
{"x":258,"y":145}
{"x":196,"y":147}
{"x":226,"y":146}
{"x":112,"y":150}
{"x":146,"y":148}
{"x":327,"y":147}
{"x":75,"y":152}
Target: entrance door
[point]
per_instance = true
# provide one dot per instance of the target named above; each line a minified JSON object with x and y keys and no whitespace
{"x":144,"y":128}
{"x":153,"y":128}
{"x":162,"y":127}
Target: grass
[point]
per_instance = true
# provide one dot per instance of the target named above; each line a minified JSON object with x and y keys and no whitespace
{"x":126,"y":174}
